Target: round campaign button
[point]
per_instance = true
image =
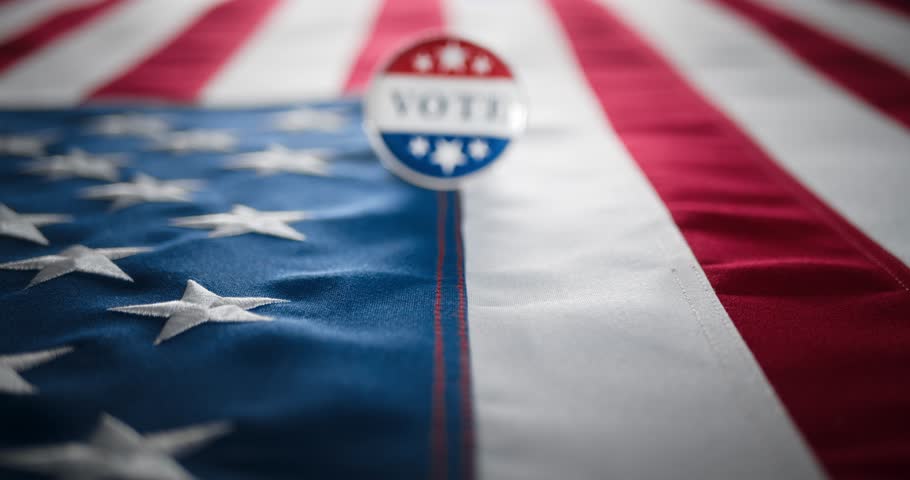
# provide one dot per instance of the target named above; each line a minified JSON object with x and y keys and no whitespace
{"x":442,"y":110}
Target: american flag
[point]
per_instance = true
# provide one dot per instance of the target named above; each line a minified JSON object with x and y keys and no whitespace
{"x":693,"y":265}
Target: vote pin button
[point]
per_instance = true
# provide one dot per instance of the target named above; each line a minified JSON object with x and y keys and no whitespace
{"x":443,"y":110}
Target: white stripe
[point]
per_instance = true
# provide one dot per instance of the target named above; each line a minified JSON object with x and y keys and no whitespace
{"x":850,"y":155}
{"x":598,"y":349}
{"x":69,"y":69}
{"x":18,"y":16}
{"x":303,"y":51}
{"x":860,"y":23}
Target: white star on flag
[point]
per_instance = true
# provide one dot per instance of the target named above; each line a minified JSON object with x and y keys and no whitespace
{"x":448,"y":155}
{"x":96,"y":261}
{"x":198,"y":306}
{"x":23,"y":145}
{"x":143,"y":188}
{"x":423,"y":62}
{"x":114,"y":450}
{"x":481,"y":65}
{"x":242,"y":220}
{"x":25,"y":226}
{"x":452,"y":57}
{"x":279,"y":159}
{"x":77,"y":164}
{"x":128,"y":124}
{"x":185,"y":141}
{"x":12,"y":364}
{"x":307,"y":120}
{"x":419,"y":146}
{"x":478,"y":149}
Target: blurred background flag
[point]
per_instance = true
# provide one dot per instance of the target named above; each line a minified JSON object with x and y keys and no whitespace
{"x":694,"y":265}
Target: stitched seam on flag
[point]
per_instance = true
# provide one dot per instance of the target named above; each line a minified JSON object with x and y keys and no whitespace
{"x":715,"y":351}
{"x":438,"y":450}
{"x":719,"y":312}
{"x":722,"y":356}
{"x":758,"y":377}
{"x":719,"y":355}
{"x":780,"y":176}
{"x":846,"y":235}
{"x":467,"y":416}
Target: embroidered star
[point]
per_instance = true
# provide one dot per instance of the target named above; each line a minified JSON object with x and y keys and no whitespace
{"x":142,"y":189}
{"x":478,"y":149}
{"x":114,"y":450}
{"x":25,"y":226}
{"x":419,"y":146}
{"x":452,"y":56}
{"x":481,"y":65}
{"x":242,"y":220}
{"x":448,"y":155}
{"x":423,"y":62}
{"x":11,"y":365}
{"x":198,"y":306}
{"x":23,"y":145}
{"x":77,"y":164}
{"x":97,"y":261}
{"x":279,"y":159}
{"x":128,"y":124}
{"x":185,"y":141}
{"x":307,"y":119}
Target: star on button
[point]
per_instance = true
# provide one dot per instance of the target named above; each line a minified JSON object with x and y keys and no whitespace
{"x":481,"y":65}
{"x":185,"y":141}
{"x":242,"y":220}
{"x":423,"y":62}
{"x":96,"y":261}
{"x":452,"y":57}
{"x":25,"y":226}
{"x":11,"y":365}
{"x":478,"y":149}
{"x":23,"y":145}
{"x":77,"y":164}
{"x":198,"y":306}
{"x":419,"y":146}
{"x":309,"y":120}
{"x":114,"y":450}
{"x":142,"y":189}
{"x":448,"y":155}
{"x":127,"y":124}
{"x":279,"y":159}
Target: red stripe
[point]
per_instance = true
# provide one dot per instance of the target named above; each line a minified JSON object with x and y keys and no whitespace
{"x":46,"y":32}
{"x":877,"y":82}
{"x":438,"y":453}
{"x":823,"y":308}
{"x":397,"y":21}
{"x":179,"y":70}
{"x":464,"y":356}
{"x":900,"y":6}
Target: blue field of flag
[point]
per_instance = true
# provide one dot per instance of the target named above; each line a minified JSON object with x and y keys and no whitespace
{"x":252,"y":277}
